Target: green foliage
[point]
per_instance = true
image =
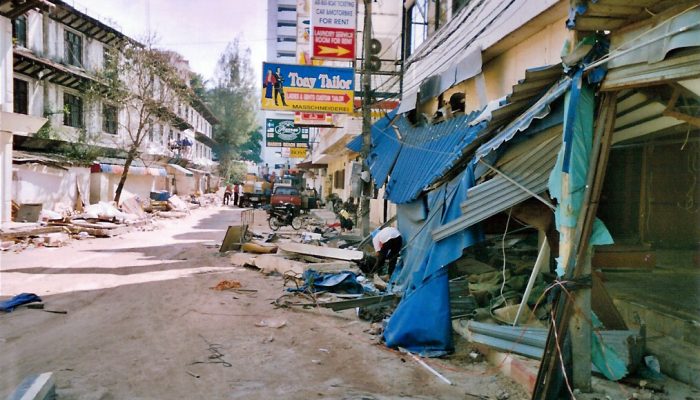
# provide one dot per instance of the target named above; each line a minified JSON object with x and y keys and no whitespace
{"x":252,"y":148}
{"x":84,"y":150}
{"x":237,"y":171}
{"x":233,"y":100}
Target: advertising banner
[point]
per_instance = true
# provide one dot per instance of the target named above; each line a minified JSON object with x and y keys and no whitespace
{"x":333,"y":29}
{"x":288,"y":87}
{"x":283,"y":133}
{"x":297,"y":153}
{"x":313,"y":119}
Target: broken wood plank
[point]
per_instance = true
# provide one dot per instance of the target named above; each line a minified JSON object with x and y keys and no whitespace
{"x":336,"y":266}
{"x":327,"y":252}
{"x":27,"y":232}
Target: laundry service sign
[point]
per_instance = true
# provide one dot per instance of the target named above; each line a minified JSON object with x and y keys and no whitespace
{"x":283,"y":133}
{"x":309,"y":88}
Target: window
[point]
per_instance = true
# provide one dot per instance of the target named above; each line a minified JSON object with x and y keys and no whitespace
{"x":19,"y":31}
{"x":72,"y":111}
{"x":286,"y":191}
{"x":286,"y":23}
{"x":21,"y":98}
{"x":110,"y":119}
{"x":73,"y":49}
{"x":284,"y":7}
{"x":339,"y":179}
{"x":417,"y":25}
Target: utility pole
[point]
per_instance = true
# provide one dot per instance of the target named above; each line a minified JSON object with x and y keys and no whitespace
{"x":366,"y":117}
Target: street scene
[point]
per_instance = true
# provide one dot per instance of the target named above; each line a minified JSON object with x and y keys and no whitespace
{"x":352,"y":199}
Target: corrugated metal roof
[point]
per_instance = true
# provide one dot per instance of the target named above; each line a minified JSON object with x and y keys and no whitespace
{"x":609,"y":15}
{"x":530,"y":170}
{"x":427,"y":153}
{"x":539,"y":110}
{"x":384,"y":149}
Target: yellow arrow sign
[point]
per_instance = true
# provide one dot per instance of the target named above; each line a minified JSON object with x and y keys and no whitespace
{"x":339,"y":51}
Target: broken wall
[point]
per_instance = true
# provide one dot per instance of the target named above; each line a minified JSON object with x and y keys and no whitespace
{"x":36,"y":183}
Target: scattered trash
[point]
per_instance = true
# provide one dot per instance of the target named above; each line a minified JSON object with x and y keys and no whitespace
{"x":20,"y":299}
{"x":216,"y":356}
{"x":271,"y":323}
{"x":426,"y":366}
{"x":192,"y":374}
{"x":227,"y":285}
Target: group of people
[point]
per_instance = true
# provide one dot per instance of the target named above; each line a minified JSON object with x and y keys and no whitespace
{"x":232,"y":190}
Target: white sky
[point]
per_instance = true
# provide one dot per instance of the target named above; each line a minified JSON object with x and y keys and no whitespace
{"x":199,"y":29}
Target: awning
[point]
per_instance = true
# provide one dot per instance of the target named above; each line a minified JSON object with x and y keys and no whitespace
{"x":199,"y":171}
{"x":528,"y":171}
{"x":180,"y":170}
{"x":539,"y":110}
{"x":133,"y":170}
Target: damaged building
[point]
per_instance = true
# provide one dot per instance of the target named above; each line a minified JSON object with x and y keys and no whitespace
{"x":544,"y":165}
{"x":51,"y":54}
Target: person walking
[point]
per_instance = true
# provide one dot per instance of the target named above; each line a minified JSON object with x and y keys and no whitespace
{"x":227,"y":194}
{"x":236,"y":193}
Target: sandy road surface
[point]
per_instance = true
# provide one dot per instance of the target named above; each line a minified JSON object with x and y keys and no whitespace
{"x":141,"y":315}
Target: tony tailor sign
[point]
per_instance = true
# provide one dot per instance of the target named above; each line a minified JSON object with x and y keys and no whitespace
{"x":283,"y":133}
{"x":288,"y":87}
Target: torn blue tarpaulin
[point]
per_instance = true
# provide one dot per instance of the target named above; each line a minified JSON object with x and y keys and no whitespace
{"x":20,"y":299}
{"x":340,"y":282}
{"x":423,"y":275}
{"x":385,"y":147}
{"x":573,"y":162}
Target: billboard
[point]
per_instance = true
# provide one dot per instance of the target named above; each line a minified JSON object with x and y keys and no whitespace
{"x":283,"y":133}
{"x":288,"y":87}
{"x":313,"y":119}
{"x":333,"y":29}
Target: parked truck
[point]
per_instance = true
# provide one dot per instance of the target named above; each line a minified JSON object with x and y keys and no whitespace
{"x":256,"y":191}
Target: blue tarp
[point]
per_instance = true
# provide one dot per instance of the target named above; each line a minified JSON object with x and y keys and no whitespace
{"x":423,"y":275}
{"x":341,"y":282}
{"x":573,"y":162}
{"x":20,"y":299}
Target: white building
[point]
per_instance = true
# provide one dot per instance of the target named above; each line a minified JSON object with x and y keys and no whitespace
{"x":51,"y":51}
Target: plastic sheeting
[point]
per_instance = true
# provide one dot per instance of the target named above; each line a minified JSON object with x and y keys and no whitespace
{"x":423,"y":275}
{"x":573,"y":161}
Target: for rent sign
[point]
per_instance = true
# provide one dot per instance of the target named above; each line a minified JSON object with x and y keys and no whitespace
{"x":308,"y":88}
{"x":333,"y":29}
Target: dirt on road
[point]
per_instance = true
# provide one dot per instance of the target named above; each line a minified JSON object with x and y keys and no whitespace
{"x":142,"y":322}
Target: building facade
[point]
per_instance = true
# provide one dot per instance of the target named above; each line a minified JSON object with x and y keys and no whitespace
{"x":57,"y":52}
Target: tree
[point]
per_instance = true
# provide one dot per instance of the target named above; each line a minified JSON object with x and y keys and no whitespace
{"x":140,"y":83}
{"x":252,"y":148}
{"x":233,"y":100}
